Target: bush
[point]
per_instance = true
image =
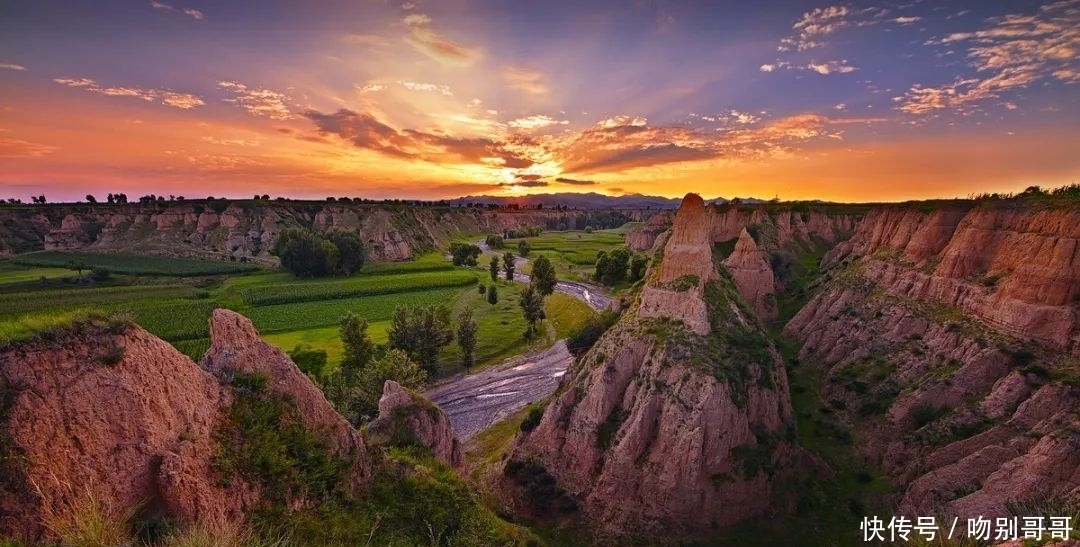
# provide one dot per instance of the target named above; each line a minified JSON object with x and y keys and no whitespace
{"x":112,"y":356}
{"x":926,"y":413}
{"x":583,"y":336}
{"x":532,"y":420}
{"x":493,"y":295}
{"x":309,"y":360}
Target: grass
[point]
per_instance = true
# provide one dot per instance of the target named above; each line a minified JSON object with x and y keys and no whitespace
{"x":307,"y":315}
{"x":10,"y":273}
{"x":565,"y":312}
{"x":134,"y":264}
{"x":307,"y":291}
{"x":502,"y":325}
{"x":573,"y":252}
{"x":30,"y":325}
{"x":14,"y":304}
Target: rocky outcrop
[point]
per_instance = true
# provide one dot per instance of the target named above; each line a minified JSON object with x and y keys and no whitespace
{"x":1016,"y":266}
{"x":408,"y":414}
{"x":687,"y":265}
{"x":949,"y":340}
{"x":109,"y":411}
{"x":642,"y":238}
{"x":219,"y":229}
{"x":115,"y":413}
{"x":237,"y":348}
{"x":667,"y":430}
{"x":753,"y":277}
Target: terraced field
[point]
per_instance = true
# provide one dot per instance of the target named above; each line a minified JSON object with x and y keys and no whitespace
{"x":133,"y":264}
{"x":173,"y":299}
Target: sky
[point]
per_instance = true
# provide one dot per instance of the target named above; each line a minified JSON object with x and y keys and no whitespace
{"x":858,"y":101}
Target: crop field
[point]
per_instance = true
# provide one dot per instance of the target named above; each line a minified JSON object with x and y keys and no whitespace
{"x":306,"y":315}
{"x":133,"y":264}
{"x":14,"y":274}
{"x":361,"y":285}
{"x":158,"y":295}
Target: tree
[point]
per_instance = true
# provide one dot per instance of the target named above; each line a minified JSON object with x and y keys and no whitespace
{"x":495,"y":241}
{"x":421,"y":332}
{"x":395,"y":365}
{"x":493,"y":268}
{"x":481,"y":288}
{"x":611,"y":267}
{"x":466,"y":336}
{"x":543,"y":275}
{"x":359,"y":349}
{"x":508,"y":265}
{"x":302,"y":253}
{"x":309,"y":360}
{"x":464,"y":254}
{"x":350,"y":251}
{"x":493,"y":295}
{"x":523,"y":248}
{"x":637,"y":266}
{"x":91,"y":199}
{"x":532,"y":305}
{"x":111,"y":198}
{"x":307,"y":254}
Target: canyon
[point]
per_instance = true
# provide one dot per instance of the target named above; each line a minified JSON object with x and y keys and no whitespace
{"x":939,"y":343}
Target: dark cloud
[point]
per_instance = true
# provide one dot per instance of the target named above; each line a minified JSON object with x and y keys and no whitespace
{"x":364,"y":131}
{"x":525,"y":183}
{"x":529,"y":177}
{"x":566,"y":180}
{"x":627,"y":146}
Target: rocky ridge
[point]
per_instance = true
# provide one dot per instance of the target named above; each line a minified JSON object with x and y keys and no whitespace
{"x":109,"y":411}
{"x":950,"y":335}
{"x":670,"y":428}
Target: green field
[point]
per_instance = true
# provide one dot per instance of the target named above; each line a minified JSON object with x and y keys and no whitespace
{"x":10,"y":273}
{"x":573,"y":253}
{"x":307,"y":291}
{"x":133,"y":264}
{"x":287,"y":311}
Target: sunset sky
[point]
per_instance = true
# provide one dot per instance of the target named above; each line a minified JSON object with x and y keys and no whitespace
{"x":862,"y":101}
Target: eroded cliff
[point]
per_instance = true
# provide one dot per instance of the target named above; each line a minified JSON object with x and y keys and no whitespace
{"x":948,"y":336}
{"x":107,"y":411}
{"x":678,"y":421}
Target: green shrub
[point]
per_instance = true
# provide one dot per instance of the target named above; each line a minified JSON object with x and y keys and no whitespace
{"x":536,"y":413}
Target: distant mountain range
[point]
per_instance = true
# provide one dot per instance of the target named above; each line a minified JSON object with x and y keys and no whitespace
{"x":590,"y":200}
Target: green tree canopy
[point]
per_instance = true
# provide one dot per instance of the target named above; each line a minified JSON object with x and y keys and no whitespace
{"x":466,"y":336}
{"x":508,"y":265}
{"x":421,"y":332}
{"x":543,"y":275}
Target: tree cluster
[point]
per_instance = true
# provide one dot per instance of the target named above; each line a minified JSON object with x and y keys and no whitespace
{"x":611,"y":267}
{"x":464,"y":254}
{"x":527,"y":231}
{"x":421,"y":332}
{"x":495,"y":241}
{"x":307,"y":254}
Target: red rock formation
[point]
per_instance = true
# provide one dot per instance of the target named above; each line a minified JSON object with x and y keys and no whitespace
{"x":687,"y":266}
{"x":236,"y":347}
{"x":960,"y":324}
{"x":138,"y":430}
{"x":653,"y":435}
{"x":644,"y":237}
{"x":753,"y":277}
{"x":1015,"y":266}
{"x":401,"y":408}
{"x":121,"y":414}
